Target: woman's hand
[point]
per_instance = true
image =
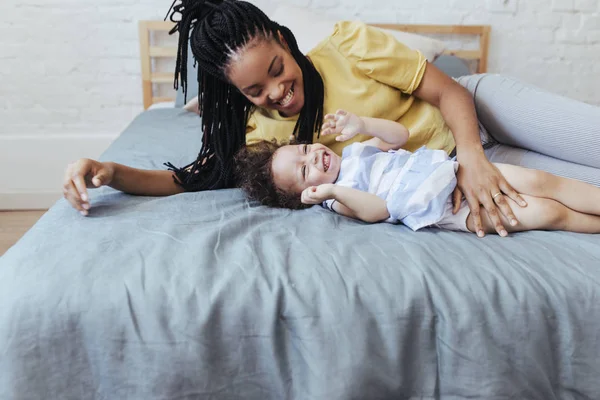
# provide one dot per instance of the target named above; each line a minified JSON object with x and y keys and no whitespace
{"x":83,"y":174}
{"x":317,"y":194}
{"x":483,"y":184}
{"x":345,"y":124}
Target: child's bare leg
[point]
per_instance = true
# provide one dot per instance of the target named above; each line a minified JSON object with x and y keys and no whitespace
{"x":542,"y":214}
{"x":577,"y":195}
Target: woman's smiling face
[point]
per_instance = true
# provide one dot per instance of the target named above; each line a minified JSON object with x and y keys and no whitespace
{"x":268,"y":75}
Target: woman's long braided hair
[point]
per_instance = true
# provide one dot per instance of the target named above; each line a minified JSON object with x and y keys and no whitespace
{"x":216,"y":30}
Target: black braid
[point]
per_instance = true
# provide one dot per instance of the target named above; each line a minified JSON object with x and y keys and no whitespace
{"x":311,"y":116}
{"x":215,"y":29}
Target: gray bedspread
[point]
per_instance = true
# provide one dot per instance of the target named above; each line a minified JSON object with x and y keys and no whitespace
{"x":207,"y":296}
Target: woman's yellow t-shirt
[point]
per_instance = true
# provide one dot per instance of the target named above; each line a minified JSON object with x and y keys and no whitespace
{"x":368,"y":72}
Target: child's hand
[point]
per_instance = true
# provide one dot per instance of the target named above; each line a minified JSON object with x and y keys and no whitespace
{"x":317,"y":194}
{"x":344,"y":124}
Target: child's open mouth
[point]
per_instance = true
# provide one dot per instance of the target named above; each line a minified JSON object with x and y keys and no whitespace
{"x":326,"y":161}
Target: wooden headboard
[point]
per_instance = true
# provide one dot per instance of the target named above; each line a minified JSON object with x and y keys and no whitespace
{"x":482,"y":31}
{"x":150,"y":52}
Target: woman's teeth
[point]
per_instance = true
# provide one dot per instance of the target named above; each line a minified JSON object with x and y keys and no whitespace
{"x":288,"y":98}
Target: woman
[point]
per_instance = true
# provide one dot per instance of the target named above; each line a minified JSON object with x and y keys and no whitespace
{"x":254,"y":83}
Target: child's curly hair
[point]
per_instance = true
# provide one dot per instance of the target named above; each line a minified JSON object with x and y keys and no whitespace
{"x":253,"y":174}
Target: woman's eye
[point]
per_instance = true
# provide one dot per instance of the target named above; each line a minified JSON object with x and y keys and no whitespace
{"x":280,"y":71}
{"x":305,"y":149}
{"x":257,"y":94}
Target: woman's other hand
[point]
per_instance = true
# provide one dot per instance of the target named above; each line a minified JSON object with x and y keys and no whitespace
{"x":483,"y":184}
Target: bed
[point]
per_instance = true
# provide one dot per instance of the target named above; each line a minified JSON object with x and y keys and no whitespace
{"x":207,"y":296}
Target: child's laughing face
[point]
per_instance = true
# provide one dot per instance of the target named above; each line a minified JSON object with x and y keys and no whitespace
{"x":296,"y":167}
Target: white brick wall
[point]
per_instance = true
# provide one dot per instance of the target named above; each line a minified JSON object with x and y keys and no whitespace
{"x":71,"y":67}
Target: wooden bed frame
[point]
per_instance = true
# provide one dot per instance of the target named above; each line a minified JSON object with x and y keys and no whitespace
{"x":148,"y":52}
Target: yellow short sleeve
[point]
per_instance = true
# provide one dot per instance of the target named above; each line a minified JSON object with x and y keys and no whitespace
{"x":264,"y":125}
{"x":379,"y":55}
{"x":252,"y":133}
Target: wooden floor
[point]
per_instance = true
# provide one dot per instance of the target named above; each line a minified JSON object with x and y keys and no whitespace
{"x":13,"y":224}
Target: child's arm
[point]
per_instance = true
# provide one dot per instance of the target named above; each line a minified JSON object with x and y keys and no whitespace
{"x":387,"y":135}
{"x":350,"y":202}
{"x":86,"y":173}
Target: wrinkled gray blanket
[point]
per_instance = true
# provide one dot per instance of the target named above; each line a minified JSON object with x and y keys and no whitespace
{"x":205,"y":296}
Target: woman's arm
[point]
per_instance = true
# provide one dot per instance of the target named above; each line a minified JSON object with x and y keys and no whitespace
{"x":350,"y":202}
{"x":477,"y":178}
{"x":86,"y":173}
{"x":144,"y":182}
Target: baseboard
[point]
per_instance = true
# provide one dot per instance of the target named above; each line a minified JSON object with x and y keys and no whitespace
{"x":32,"y":166}
{"x":28,"y":201}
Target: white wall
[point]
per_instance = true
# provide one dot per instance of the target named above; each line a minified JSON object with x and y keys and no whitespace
{"x":70,"y":82}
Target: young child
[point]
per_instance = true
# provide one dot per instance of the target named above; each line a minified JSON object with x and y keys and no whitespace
{"x":377,"y":181}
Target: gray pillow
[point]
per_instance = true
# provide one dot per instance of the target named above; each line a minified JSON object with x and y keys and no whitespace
{"x":452,"y":65}
{"x":192,"y":81}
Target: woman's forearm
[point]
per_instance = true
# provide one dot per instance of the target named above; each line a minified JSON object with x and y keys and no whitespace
{"x":458,"y":109}
{"x":144,"y":182}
